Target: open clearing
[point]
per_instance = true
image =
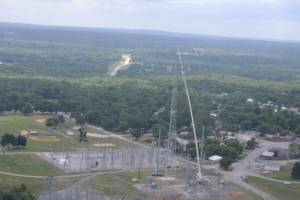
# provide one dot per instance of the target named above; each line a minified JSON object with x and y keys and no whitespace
{"x":44,"y":138}
{"x":27,"y":164}
{"x":37,"y":186}
{"x":43,"y":141}
{"x":278,"y":190}
{"x":119,"y":184}
{"x":34,"y":185}
{"x":17,"y":123}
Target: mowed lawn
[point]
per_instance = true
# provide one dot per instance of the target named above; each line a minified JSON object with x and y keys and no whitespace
{"x":278,"y":190}
{"x":34,"y":185}
{"x":17,"y":123}
{"x":27,"y":164}
{"x":37,"y":186}
{"x":117,"y":184}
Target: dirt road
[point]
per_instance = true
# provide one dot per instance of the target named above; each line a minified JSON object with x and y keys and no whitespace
{"x":126,"y":60}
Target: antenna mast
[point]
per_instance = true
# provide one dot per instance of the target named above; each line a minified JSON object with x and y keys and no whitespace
{"x":199,"y":174}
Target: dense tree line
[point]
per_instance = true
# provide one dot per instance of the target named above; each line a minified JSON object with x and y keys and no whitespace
{"x":65,"y":53}
{"x":122,"y":104}
{"x":10,"y":140}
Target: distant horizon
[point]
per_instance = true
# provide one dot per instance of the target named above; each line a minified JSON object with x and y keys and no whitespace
{"x":275,"y":20}
{"x":155,"y":30}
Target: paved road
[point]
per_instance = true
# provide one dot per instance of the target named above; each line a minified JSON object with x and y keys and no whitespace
{"x":241,"y":169}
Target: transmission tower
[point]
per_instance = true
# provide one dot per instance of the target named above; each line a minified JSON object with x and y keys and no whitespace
{"x":172,"y":134}
{"x":199,"y":173}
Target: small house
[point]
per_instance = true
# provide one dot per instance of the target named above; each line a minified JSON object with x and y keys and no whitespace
{"x":267,"y":155}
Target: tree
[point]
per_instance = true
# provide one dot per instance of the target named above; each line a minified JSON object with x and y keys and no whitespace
{"x":17,"y":193}
{"x":94,"y":117}
{"x":191,"y":150}
{"x":123,"y":126}
{"x":226,"y":162}
{"x":297,"y":130}
{"x":246,"y":125}
{"x":79,"y":119}
{"x":136,"y":133}
{"x":21,"y":141}
{"x":235,"y":144}
{"x":61,"y":119}
{"x":251,"y":144}
{"x":27,"y":108}
{"x":8,"y":140}
{"x":52,"y":122}
{"x":296,"y":171}
{"x":82,"y":135}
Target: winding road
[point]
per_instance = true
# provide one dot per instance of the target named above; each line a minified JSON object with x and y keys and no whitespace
{"x":241,"y":169}
{"x":126,"y":60}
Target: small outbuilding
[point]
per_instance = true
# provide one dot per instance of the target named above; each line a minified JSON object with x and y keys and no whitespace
{"x":267,"y":155}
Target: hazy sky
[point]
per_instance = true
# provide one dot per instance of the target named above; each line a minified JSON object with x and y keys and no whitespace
{"x":270,"y":19}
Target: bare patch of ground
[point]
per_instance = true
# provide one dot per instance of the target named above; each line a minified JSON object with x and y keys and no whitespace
{"x":42,"y":138}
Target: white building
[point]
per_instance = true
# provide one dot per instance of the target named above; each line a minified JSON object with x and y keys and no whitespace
{"x":268,"y":155}
{"x":215,"y":158}
{"x":250,"y":100}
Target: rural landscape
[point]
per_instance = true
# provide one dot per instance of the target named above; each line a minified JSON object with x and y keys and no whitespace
{"x":119,"y":114}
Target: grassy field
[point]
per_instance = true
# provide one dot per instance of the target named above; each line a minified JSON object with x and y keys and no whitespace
{"x":284,"y":174}
{"x":278,"y":190}
{"x":117,"y":184}
{"x":27,"y":164}
{"x":120,"y":183}
{"x":34,"y":185}
{"x":37,"y":186}
{"x":17,"y":123}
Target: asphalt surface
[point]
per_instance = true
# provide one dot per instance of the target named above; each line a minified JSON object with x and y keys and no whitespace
{"x":241,"y":169}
